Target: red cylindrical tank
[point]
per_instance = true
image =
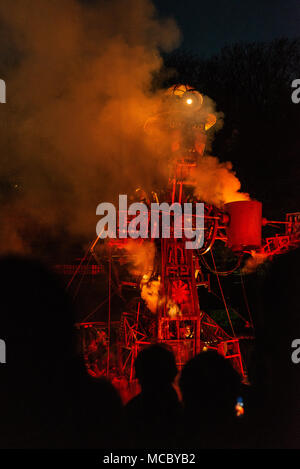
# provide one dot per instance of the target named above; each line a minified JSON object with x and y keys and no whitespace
{"x":245,"y":224}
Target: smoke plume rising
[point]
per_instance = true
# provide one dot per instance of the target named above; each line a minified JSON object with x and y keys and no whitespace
{"x":78,"y":94}
{"x":140,"y":256}
{"x":79,"y":91}
{"x":216,"y":182}
{"x":150,"y":292}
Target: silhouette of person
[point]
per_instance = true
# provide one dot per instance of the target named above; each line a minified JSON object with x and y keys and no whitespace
{"x":210,"y":387}
{"x":46,"y":397}
{"x":153,"y":416}
{"x":94,"y":411}
{"x":276,"y":378}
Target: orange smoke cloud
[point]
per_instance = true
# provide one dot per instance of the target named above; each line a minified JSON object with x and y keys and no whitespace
{"x":141,"y":264}
{"x":78,"y":94}
{"x":140,"y":257}
{"x":150,"y":292}
{"x":216,"y":182}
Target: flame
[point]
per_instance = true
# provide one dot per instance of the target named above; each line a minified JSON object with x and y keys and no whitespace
{"x":173,"y":309}
{"x":150,"y":292}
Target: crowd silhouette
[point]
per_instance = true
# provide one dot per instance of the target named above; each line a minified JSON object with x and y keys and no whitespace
{"x":48,"y":400}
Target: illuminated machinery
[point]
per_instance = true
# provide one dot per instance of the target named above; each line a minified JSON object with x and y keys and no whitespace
{"x":165,"y":305}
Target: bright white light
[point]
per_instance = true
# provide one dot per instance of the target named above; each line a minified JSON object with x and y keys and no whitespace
{"x":189,"y":101}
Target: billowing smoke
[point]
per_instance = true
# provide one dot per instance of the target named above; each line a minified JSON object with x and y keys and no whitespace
{"x":78,"y":94}
{"x":79,"y":91}
{"x":140,"y":257}
{"x":216,"y":183}
{"x":150,"y":292}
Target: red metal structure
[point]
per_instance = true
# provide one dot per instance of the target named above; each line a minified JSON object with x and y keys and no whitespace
{"x":179,"y":274}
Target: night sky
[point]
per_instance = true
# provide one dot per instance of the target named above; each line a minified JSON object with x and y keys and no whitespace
{"x":207,"y":26}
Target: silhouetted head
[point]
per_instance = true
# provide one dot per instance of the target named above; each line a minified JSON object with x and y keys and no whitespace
{"x":155,"y":366}
{"x":277,"y":324}
{"x":95,"y":410}
{"x":209,"y":386}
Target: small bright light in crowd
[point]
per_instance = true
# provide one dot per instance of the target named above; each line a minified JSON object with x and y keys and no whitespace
{"x":239,"y":408}
{"x":189,"y":101}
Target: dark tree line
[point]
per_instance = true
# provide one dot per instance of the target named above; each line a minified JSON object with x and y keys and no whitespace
{"x":251,"y":84}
